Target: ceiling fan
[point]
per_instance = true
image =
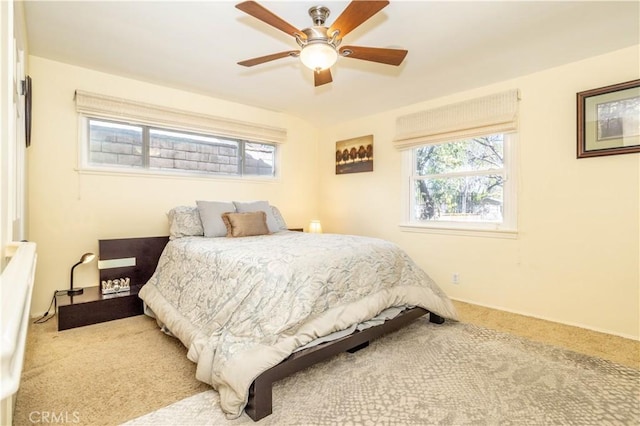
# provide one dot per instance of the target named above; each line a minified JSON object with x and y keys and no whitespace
{"x":319,"y":44}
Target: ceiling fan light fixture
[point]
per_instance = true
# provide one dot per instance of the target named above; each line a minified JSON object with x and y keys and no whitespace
{"x":318,"y":56}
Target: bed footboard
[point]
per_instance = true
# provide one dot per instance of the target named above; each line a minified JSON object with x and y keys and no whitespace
{"x":260,"y":393}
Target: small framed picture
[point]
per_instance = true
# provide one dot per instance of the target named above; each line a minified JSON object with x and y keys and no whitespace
{"x":609,"y":120}
{"x":26,"y":91}
{"x":354,"y":155}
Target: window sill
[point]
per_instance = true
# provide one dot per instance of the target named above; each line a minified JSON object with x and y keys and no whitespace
{"x":459,"y":231}
{"x":107,"y":171}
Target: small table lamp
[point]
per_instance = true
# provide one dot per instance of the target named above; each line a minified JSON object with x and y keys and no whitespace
{"x":315,"y":227}
{"x":86,"y":258}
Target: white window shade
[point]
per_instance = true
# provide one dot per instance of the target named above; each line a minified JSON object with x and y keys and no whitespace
{"x":116,"y":108}
{"x":497,"y":113}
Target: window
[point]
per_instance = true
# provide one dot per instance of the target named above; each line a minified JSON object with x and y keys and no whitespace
{"x":459,"y":166}
{"x":463,"y":184}
{"x":116,"y":144}
{"x":124,"y":135}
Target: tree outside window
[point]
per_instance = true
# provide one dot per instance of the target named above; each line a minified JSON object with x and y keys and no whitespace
{"x":460,"y":181}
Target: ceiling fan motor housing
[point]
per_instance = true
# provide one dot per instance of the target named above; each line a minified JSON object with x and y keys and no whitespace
{"x":318,"y":34}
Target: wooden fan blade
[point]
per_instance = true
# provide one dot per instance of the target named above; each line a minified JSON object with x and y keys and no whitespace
{"x":374,"y":54}
{"x":267,"y":58}
{"x":357,"y":12}
{"x":322,"y":77}
{"x":257,"y":11}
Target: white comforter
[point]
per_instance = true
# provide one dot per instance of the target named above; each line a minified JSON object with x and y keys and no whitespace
{"x":242,"y":305}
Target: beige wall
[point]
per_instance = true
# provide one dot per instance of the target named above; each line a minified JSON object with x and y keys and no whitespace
{"x":70,"y":211}
{"x":576,"y":259}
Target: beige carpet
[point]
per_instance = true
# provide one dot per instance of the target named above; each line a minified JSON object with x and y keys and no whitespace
{"x":109,"y":373}
{"x":103,"y":374}
{"x":602,"y":345}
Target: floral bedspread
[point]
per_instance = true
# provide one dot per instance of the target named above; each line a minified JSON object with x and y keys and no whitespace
{"x":242,"y":305}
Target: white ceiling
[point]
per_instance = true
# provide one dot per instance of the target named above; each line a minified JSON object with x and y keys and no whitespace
{"x":453,"y":46}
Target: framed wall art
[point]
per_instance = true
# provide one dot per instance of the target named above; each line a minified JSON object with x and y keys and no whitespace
{"x":354,"y":155}
{"x":26,"y":91}
{"x":609,"y":120}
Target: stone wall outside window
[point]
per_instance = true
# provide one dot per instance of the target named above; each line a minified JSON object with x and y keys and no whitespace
{"x":123,"y":147}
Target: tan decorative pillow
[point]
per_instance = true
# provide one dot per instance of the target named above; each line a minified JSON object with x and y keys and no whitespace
{"x":245,"y":224}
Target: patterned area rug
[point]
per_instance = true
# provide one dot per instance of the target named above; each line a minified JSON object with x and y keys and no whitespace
{"x":450,"y":374}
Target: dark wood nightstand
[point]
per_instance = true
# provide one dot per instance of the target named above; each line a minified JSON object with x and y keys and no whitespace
{"x":92,"y":307}
{"x":297,"y":229}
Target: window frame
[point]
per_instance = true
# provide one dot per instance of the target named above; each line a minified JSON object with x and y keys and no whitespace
{"x":84,"y":164}
{"x":505,"y":229}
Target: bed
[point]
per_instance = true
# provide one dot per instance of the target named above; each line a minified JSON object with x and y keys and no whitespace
{"x":244,"y":307}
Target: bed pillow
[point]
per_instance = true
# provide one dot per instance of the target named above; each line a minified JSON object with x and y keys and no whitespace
{"x":184,"y":221}
{"x":282,"y":225}
{"x":258,"y":206}
{"x":245,"y":224}
{"x":211,"y":217}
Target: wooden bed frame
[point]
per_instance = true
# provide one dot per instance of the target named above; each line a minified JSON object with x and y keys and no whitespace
{"x":147,"y":251}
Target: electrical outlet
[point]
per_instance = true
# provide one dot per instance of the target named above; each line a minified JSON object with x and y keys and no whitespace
{"x":455,"y":278}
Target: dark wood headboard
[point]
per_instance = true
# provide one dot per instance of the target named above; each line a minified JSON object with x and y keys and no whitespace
{"x":142,"y":254}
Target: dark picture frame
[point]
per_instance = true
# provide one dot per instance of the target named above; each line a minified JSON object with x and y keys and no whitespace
{"x":26,"y":91}
{"x":609,"y":120}
{"x":354,"y":155}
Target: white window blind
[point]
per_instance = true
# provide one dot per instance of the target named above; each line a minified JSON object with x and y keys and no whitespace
{"x":104,"y":106}
{"x":497,"y":113}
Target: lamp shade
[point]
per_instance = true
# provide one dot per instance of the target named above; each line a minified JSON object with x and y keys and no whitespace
{"x":87,"y":257}
{"x":315,"y":227}
{"x":318,"y":56}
